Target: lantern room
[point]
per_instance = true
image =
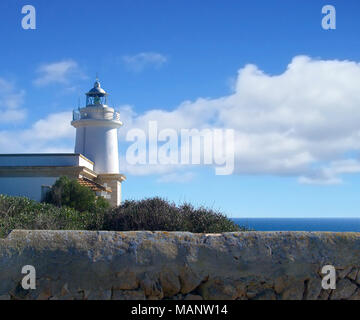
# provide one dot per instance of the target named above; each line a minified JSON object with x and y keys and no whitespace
{"x":96,"y":96}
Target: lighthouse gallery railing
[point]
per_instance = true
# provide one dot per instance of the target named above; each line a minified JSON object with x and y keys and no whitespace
{"x":77,"y":116}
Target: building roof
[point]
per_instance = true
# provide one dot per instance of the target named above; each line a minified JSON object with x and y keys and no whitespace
{"x":97,"y":90}
{"x":45,"y":160}
{"x":94,"y":186}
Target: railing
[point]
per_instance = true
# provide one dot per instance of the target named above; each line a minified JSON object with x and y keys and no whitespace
{"x":78,"y":116}
{"x":116,"y":116}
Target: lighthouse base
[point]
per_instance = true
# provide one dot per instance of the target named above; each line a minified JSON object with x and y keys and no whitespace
{"x":112,"y":181}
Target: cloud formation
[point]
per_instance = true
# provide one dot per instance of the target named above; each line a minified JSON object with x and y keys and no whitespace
{"x":51,"y":134}
{"x":302,"y":123}
{"x":143,"y":60}
{"x":11,"y":100}
{"x":57,"y":72}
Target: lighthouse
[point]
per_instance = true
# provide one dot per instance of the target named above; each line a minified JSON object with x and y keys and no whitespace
{"x":97,"y":127}
{"x":95,"y":163}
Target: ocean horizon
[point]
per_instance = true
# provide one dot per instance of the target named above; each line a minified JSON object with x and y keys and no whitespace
{"x":300,"y":224}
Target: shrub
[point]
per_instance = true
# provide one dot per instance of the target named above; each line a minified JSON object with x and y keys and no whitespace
{"x":157,"y":214}
{"x":153,"y":214}
{"x":23,"y":213}
{"x":68,"y":192}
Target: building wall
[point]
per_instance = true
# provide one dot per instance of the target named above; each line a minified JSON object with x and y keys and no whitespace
{"x":115,"y":197}
{"x":180,"y":265}
{"x":115,"y":185}
{"x":79,"y":140}
{"x":100,"y":145}
{"x":25,"y":186}
{"x":9,"y":160}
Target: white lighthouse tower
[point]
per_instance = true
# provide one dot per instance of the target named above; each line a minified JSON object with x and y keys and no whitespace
{"x":97,"y":139}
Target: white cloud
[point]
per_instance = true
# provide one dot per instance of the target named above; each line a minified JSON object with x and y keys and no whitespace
{"x":11,"y":100}
{"x":147,"y":169}
{"x":298,"y":123}
{"x":51,"y":134}
{"x":140,"y":61}
{"x":177,"y":177}
{"x":329,"y":175}
{"x":54,"y":126}
{"x":58,"y":72}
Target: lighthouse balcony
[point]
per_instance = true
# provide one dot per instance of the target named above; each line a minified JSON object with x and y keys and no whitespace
{"x":76,"y":115}
{"x":96,"y":113}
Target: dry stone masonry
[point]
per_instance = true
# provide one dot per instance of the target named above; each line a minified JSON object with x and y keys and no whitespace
{"x":179,"y":265}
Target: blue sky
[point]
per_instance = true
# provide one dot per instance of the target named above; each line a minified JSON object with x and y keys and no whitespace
{"x":154,"y":55}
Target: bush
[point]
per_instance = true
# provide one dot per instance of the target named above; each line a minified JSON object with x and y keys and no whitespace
{"x":157,"y":214}
{"x":68,"y":192}
{"x":23,"y":213}
{"x":153,"y":214}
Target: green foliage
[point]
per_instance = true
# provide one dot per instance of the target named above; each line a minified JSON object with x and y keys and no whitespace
{"x":23,"y":213}
{"x":157,"y":214}
{"x":68,"y":192}
{"x":153,"y":214}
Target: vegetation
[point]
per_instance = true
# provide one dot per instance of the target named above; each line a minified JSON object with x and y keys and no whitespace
{"x":68,"y":192}
{"x":22,"y":213}
{"x":74,"y":207}
{"x":158,"y":214}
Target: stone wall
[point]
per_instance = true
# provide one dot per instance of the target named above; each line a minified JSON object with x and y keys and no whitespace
{"x":179,"y":265}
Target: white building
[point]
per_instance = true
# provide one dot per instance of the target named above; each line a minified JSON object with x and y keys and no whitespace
{"x":95,"y":162}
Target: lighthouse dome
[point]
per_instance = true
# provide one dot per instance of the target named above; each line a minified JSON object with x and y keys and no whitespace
{"x":97,"y":90}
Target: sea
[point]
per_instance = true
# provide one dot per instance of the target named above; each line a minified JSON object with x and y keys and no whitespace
{"x":300,"y":224}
